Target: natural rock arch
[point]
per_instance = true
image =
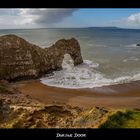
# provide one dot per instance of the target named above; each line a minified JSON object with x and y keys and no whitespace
{"x":21,"y":59}
{"x":57,"y":51}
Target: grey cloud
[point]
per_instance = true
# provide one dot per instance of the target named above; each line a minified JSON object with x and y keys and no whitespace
{"x":4,"y":11}
{"x":47,"y":16}
{"x":7,"y":11}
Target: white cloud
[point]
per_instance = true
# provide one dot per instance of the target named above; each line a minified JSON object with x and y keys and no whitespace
{"x":132,"y":21}
{"x":134,"y":18}
{"x":11,"y":18}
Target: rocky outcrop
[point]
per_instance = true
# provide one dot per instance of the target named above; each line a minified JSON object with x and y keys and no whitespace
{"x":18,"y":110}
{"x":21,"y":59}
{"x":50,"y":116}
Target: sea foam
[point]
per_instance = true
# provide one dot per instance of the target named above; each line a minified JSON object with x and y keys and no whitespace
{"x":133,"y":58}
{"x":132,"y":46}
{"x":83,"y":76}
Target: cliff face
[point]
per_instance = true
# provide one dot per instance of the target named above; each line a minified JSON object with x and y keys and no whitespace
{"x":21,"y":59}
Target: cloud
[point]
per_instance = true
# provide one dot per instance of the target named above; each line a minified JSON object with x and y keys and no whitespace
{"x":29,"y":18}
{"x":9,"y":12}
{"x":8,"y":18}
{"x":134,"y":18}
{"x":132,"y":21}
{"x":46,"y":16}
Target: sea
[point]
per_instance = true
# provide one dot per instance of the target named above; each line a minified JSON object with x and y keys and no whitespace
{"x":111,"y":55}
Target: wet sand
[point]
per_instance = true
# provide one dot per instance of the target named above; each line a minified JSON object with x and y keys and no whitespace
{"x":114,"y":96}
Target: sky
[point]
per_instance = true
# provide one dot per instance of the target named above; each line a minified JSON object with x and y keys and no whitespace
{"x":14,"y":18}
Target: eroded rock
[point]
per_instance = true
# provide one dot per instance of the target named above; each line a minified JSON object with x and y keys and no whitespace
{"x":21,"y":59}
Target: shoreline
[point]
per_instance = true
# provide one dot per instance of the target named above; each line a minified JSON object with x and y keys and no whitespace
{"x":114,"y":96}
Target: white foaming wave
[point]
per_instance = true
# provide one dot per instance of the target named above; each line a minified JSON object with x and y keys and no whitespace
{"x":96,"y":45}
{"x":83,"y":76}
{"x":132,"y":46}
{"x":68,"y":64}
{"x":80,"y":76}
{"x":90,"y":64}
{"x":126,"y":79}
{"x":133,"y":58}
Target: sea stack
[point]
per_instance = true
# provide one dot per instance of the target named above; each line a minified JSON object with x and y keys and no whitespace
{"x":20,"y":59}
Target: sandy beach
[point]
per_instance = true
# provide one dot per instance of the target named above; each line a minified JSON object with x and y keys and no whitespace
{"x":114,"y":96}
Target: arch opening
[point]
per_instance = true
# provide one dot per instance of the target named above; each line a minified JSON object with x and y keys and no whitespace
{"x":67,"y":61}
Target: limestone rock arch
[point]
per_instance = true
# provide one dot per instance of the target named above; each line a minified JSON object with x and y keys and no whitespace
{"x":57,"y":51}
{"x":20,"y":59}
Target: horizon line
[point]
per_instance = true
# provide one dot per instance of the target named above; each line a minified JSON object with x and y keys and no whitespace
{"x":69,"y":27}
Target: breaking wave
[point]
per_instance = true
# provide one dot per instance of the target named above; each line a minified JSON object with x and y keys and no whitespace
{"x":83,"y":76}
{"x":133,"y":46}
{"x":133,"y":58}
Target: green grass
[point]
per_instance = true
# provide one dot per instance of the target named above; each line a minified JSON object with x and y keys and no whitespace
{"x":127,"y":119}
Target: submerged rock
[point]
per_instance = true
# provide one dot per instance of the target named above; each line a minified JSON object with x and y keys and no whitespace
{"x":20,"y":59}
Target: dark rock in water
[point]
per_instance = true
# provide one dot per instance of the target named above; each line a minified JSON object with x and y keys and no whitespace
{"x":138,"y":45}
{"x":20,"y":59}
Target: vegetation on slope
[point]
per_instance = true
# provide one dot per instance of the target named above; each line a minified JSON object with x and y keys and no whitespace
{"x":126,"y":119}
